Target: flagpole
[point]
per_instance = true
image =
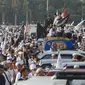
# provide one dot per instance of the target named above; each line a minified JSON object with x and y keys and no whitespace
{"x":15,"y":18}
{"x":25,"y":29}
{"x":47,"y":8}
{"x":24,"y":43}
{"x":14,"y":5}
{"x":3,"y":13}
{"x":81,"y":10}
{"x":65,"y":3}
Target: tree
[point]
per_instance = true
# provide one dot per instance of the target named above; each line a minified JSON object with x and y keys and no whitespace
{"x":37,"y":9}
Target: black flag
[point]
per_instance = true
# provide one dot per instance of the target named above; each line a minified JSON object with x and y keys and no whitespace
{"x":63,"y":21}
{"x":40,"y":31}
{"x":48,"y":21}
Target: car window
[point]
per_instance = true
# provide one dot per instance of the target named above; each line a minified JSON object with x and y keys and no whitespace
{"x":48,"y":56}
{"x":63,"y":56}
{"x":39,"y":42}
{"x":66,"y":56}
{"x":83,"y":54}
{"x":80,"y":67}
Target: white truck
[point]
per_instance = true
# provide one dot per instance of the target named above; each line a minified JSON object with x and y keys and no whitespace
{"x":33,"y":29}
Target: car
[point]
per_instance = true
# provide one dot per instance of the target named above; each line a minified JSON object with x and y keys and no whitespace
{"x":66,"y":55}
{"x":58,"y":43}
{"x":81,"y":65}
{"x":42,"y":80}
{"x":66,"y":66}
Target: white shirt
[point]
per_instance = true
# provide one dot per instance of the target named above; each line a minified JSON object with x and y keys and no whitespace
{"x":8,"y":76}
{"x":58,"y":29}
{"x":83,"y":29}
{"x":51,"y":32}
{"x":2,"y":45}
{"x":30,"y":75}
{"x":11,"y":73}
{"x":56,"y":20}
{"x":18,"y":76}
{"x":18,"y":59}
{"x":67,"y":30}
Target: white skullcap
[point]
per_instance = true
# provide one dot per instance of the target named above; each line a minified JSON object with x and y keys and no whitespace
{"x":76,"y":66}
{"x":74,"y":54}
{"x":27,"y":43}
{"x":15,"y":49}
{"x":31,"y":45}
{"x":19,"y":53}
{"x":18,"y":63}
{"x":53,"y":54}
{"x":47,"y":69}
{"x":3,"y":63}
{"x":50,"y":49}
{"x":8,"y":58}
{"x":77,"y":54}
{"x":8,"y":55}
{"x":32,"y":66}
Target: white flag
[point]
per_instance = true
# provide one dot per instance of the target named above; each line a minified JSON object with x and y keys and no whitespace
{"x":7,"y":28}
{"x":59,"y":64}
{"x":57,"y":12}
{"x":72,"y":23}
{"x":79,"y":26}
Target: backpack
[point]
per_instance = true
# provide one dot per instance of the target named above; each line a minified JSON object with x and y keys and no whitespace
{"x":2,"y":79}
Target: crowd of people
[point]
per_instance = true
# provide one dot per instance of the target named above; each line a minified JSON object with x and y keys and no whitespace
{"x":20,"y":64}
{"x":60,"y":27}
{"x":66,"y":32}
{"x":18,"y":59}
{"x":21,"y":61}
{"x":18,"y":54}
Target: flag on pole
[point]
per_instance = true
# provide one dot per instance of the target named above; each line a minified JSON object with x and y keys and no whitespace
{"x":79,"y":26}
{"x":63,"y":21}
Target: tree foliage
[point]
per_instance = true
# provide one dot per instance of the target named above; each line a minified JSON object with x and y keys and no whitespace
{"x":37,"y":9}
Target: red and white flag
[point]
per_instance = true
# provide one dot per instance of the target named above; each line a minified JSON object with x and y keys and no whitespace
{"x":59,"y":64}
{"x":63,"y":15}
{"x":25,"y":27}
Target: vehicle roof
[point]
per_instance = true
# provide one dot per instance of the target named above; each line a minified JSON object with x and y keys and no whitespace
{"x":44,"y":80}
{"x":67,"y":70}
{"x":40,"y":39}
{"x":61,"y":52}
{"x":53,"y":61}
{"x":74,"y":63}
{"x":74,"y":70}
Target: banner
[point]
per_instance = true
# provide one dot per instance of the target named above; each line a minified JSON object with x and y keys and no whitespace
{"x":40,"y":31}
